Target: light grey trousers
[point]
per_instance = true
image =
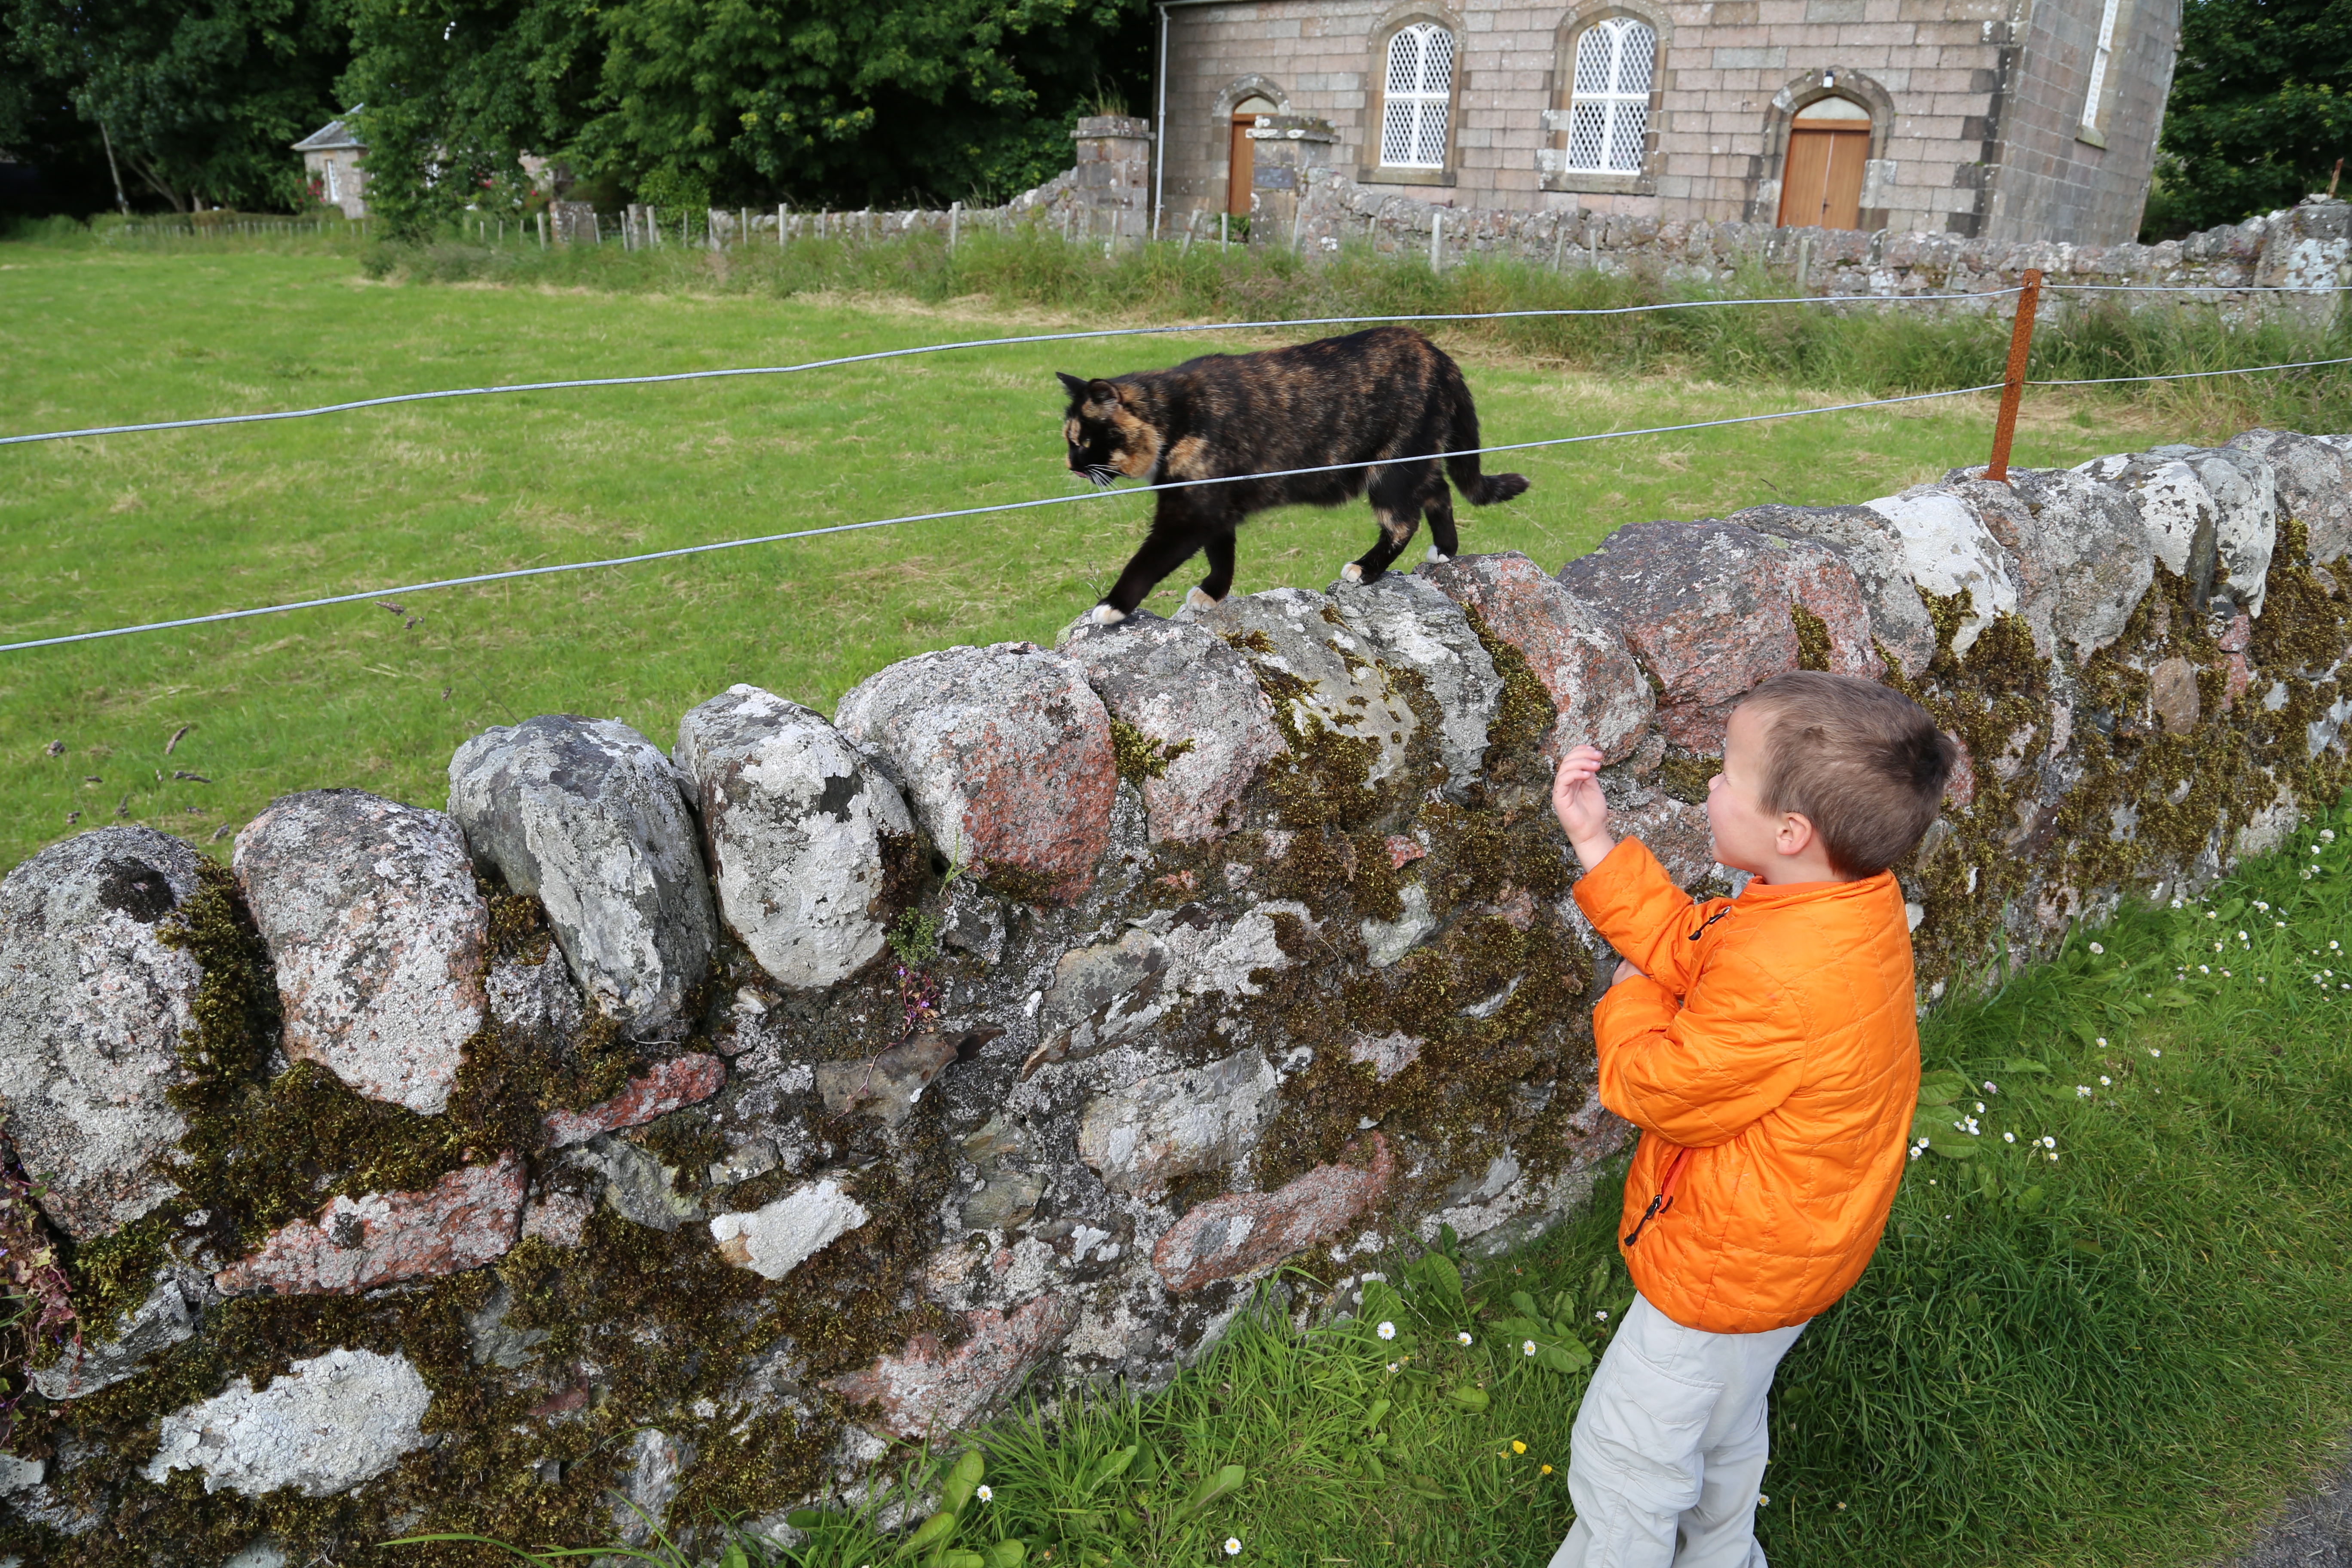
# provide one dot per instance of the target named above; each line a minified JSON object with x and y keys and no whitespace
{"x":1668,"y":1451}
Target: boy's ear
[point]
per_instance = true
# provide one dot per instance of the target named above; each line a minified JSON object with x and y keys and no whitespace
{"x":1795,"y":833}
{"x":1076,"y":386}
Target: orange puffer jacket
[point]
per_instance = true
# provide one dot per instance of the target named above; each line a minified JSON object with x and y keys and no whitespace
{"x":1782,"y":1084}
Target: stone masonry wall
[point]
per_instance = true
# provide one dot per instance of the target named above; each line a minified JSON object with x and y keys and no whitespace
{"x":673,"y":1129}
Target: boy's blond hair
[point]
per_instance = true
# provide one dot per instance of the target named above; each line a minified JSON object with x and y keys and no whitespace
{"x":1861,"y":761}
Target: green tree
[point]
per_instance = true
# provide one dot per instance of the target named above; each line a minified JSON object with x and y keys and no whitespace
{"x":2261,"y":110}
{"x":199,"y":99}
{"x":457,"y":93}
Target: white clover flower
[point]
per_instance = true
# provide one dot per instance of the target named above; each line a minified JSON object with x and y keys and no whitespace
{"x":985,"y":1495}
{"x":1386,"y":1330}
{"x":2009,"y":1137}
{"x":2095,"y":948}
{"x":1527,"y":1347}
{"x":1461,"y":1339}
{"x":2082,"y":1091}
{"x":1992,"y":1087}
{"x":1233,"y":1546}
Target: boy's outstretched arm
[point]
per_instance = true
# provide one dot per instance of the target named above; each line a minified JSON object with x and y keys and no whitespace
{"x":1576,"y":800}
{"x":1701,"y":1073}
{"x":1650,"y":911}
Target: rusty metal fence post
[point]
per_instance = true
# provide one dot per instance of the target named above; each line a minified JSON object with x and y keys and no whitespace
{"x":2020,"y":339}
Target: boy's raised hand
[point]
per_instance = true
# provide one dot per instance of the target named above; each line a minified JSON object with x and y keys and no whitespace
{"x":1576,"y":800}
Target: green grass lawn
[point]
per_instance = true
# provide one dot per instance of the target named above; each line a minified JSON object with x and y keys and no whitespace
{"x":130,"y":529}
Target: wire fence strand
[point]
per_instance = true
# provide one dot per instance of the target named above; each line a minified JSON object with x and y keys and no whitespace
{"x":2193,"y":375}
{"x":960,"y":511}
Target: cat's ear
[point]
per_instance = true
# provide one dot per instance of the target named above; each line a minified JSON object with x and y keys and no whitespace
{"x":1076,"y":386}
{"x":1101,"y":392}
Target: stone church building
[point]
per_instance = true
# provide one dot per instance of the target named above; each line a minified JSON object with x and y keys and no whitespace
{"x":2016,"y":120}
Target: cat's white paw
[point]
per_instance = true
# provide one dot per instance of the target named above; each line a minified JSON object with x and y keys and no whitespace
{"x":1351,"y":573}
{"x":1436,"y":559}
{"x":1107,"y":615}
{"x":1198,"y":598}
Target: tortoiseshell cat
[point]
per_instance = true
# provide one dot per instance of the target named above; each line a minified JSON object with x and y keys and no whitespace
{"x":1366,"y":397}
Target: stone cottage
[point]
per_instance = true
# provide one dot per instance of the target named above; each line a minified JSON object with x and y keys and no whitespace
{"x":330,"y":157}
{"x":2019,"y":120}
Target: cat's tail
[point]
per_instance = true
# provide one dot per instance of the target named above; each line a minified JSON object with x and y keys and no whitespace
{"x":1477,"y":489}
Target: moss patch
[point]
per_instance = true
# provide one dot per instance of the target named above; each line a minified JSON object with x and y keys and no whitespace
{"x":1141,"y":757}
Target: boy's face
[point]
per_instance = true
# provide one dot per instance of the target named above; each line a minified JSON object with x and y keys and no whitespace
{"x":1746,"y":836}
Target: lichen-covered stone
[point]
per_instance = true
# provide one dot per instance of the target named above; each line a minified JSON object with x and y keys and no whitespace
{"x":466,"y":1219}
{"x":1598,"y":693}
{"x":637,"y":1186}
{"x":321,"y":1427}
{"x":778,"y":1237}
{"x":1387,"y":1054}
{"x":680,"y":1081}
{"x":1006,"y":756}
{"x":1335,"y":682}
{"x":1948,"y":548}
{"x":2075,"y":551}
{"x":377,"y":933}
{"x":2314,"y":485}
{"x":1245,"y":1233}
{"x":926,"y":1389}
{"x":1187,"y":692}
{"x":796,"y":824}
{"x":1385,"y":942}
{"x":107,"y":1353}
{"x":1709,"y":609}
{"x":886,"y":1085}
{"x":92,"y":1009}
{"x":588,"y":816}
{"x":1140,"y":1138}
{"x":1415,"y":627}
{"x":1873,"y":547}
{"x":2210,"y":516}
{"x":1114,"y":991}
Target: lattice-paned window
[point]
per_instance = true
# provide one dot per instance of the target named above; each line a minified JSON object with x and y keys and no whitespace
{"x":1420,"y":91}
{"x":1611,"y":105}
{"x":2100,"y":56}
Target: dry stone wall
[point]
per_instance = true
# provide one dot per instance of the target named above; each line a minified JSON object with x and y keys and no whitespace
{"x":676,"y":1130}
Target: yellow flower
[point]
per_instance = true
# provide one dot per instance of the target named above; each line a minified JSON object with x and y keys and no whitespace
{"x":1517,"y":1446}
{"x":1547,"y":1469}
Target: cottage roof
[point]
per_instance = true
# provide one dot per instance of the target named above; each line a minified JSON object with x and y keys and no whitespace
{"x":333,"y":136}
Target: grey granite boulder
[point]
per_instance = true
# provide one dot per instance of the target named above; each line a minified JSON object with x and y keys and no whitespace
{"x":795,"y":823}
{"x":2076,"y":552}
{"x":590,"y":818}
{"x":378,"y":935}
{"x":1414,"y":625}
{"x":776,"y":1238}
{"x":107,"y":1354}
{"x":322,"y":1426}
{"x":1140,"y":1138}
{"x":1873,"y":548}
{"x":1189,"y":693}
{"x":1710,"y":610}
{"x":1005,"y":753}
{"x":92,"y":1009}
{"x":1334,"y":682}
{"x":1597,"y":692}
{"x":2314,"y":486}
{"x":2210,"y":516}
{"x":1947,"y":549}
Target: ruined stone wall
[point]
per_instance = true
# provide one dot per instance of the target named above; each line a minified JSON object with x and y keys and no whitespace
{"x":669,"y":1130}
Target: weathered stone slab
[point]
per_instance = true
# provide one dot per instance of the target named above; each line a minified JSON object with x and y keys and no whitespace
{"x":1709,"y":609}
{"x":2076,"y":552}
{"x":1245,"y":1232}
{"x":378,"y":935}
{"x":109,"y":1352}
{"x":926,"y":1389}
{"x":328,"y":1423}
{"x":796,"y":823}
{"x":2314,"y":485}
{"x":778,"y":1237}
{"x":680,"y":1081}
{"x":1414,"y":625}
{"x":1114,"y":990}
{"x":638,"y":1186}
{"x":587,"y":816}
{"x":1186,"y":690}
{"x":1006,"y":757}
{"x":1874,"y":550}
{"x":466,"y":1219}
{"x":92,"y":1007}
{"x":1948,"y":548}
{"x":1142,"y":1137}
{"x":886,"y":1085}
{"x":1598,"y":691}
{"x":1335,"y":680}
{"x":2210,"y":515}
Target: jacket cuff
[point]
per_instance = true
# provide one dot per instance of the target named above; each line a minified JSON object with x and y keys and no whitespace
{"x":1615,"y":894}
{"x":1626,"y":1012}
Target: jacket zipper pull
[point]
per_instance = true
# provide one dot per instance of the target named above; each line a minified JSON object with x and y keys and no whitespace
{"x":1666,"y":1199}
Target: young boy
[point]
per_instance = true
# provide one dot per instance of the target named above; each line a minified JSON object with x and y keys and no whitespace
{"x":1765,"y":1046}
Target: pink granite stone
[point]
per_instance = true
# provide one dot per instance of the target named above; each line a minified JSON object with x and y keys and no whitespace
{"x":926,"y":1390}
{"x":466,"y":1219}
{"x":681,"y":1080}
{"x":1241,"y":1234}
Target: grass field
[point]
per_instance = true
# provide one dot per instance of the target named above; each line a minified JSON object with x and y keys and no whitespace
{"x":130,"y":528}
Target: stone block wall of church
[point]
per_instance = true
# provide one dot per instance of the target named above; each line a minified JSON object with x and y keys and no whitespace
{"x":2050,"y":182}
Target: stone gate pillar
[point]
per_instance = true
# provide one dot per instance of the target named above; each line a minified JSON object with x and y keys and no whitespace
{"x":1287,"y":146}
{"x":1113,"y":176}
